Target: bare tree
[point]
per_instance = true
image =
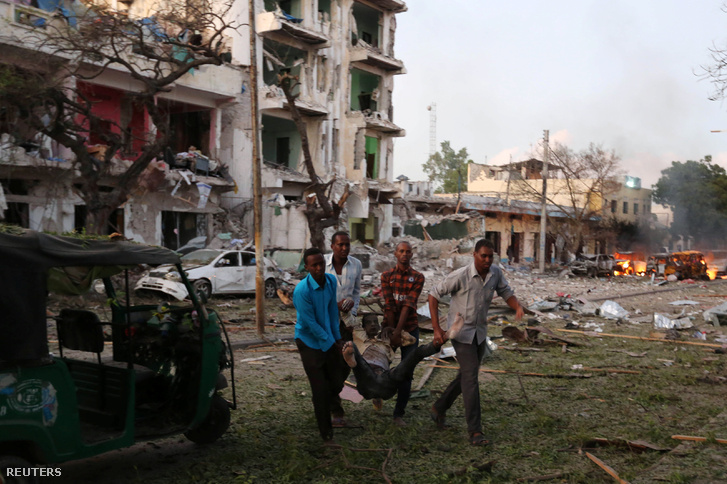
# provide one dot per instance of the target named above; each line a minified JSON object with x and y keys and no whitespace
{"x":320,"y":211}
{"x":578,"y":182}
{"x":42,"y":90}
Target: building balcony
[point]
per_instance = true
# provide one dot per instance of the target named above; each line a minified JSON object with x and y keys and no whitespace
{"x":377,"y":121}
{"x":273,"y":24}
{"x":272,"y":97}
{"x":370,"y":55}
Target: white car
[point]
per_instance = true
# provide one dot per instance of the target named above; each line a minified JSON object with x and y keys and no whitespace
{"x":212,"y":271}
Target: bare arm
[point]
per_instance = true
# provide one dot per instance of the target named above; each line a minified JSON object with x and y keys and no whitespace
{"x":515,"y":305}
{"x":434,"y":314}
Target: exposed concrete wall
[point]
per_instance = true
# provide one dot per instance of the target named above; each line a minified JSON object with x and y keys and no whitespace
{"x":288,"y":227}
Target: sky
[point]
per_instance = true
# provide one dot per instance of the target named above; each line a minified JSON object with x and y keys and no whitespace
{"x":623,"y":74}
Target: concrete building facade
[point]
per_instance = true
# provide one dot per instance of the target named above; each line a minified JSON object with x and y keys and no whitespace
{"x":343,"y":55}
{"x":342,"y":52}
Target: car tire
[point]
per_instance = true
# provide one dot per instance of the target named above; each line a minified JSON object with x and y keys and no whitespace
{"x":214,"y":425}
{"x":13,"y":461}
{"x":203,"y":286}
{"x":271,"y":289}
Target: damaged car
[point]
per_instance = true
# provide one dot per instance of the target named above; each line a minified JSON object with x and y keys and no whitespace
{"x":688,"y":264}
{"x":212,"y":272}
{"x":593,"y":265}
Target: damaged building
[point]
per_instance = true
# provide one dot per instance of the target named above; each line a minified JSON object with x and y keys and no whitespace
{"x":179,"y":193}
{"x":342,"y":52}
{"x":498,"y":207}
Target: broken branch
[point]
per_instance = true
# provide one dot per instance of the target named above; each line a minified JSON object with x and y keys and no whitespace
{"x":606,"y":468}
{"x":486,"y":370}
{"x":697,"y":439}
{"x":643,"y":338}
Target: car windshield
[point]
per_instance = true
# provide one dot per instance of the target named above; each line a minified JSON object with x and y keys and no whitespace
{"x":203,"y":256}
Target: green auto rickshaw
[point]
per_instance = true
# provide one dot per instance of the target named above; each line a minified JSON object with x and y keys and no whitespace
{"x":121,"y":375}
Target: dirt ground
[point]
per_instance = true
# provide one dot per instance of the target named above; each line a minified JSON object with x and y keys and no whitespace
{"x":544,"y":403}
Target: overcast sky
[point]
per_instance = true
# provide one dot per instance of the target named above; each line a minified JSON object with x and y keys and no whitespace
{"x":620,"y":73}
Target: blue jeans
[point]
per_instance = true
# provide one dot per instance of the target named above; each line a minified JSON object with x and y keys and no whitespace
{"x":404,"y":387}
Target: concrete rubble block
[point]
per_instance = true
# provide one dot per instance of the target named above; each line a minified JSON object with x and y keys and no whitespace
{"x":382,"y":264}
{"x":716,"y":315}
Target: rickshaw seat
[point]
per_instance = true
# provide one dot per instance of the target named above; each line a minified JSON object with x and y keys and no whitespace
{"x":79,"y":329}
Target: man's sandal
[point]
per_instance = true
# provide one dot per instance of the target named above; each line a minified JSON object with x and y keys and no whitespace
{"x":478,"y":439}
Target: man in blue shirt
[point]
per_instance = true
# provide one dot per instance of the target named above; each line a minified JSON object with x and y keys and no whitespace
{"x":318,"y":337}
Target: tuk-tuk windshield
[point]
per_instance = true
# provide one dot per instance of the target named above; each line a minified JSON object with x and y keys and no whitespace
{"x":26,"y":260}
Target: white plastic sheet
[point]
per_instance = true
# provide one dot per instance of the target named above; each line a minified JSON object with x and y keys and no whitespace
{"x":612,"y":310}
{"x":665,"y":322}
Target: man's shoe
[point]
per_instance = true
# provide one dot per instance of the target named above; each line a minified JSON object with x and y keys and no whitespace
{"x":378,"y":403}
{"x":399,"y":422}
{"x":438,"y":418}
{"x":407,"y":339}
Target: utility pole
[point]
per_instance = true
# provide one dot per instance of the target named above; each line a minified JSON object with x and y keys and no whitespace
{"x":257,"y":195}
{"x":544,"y":210}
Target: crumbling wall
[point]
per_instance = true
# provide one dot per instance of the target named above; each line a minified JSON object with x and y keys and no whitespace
{"x":288,"y":227}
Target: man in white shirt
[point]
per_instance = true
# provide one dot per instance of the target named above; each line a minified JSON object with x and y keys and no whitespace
{"x":347,"y":271}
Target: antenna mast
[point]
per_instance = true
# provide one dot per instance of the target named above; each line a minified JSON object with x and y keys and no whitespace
{"x":432,"y":108}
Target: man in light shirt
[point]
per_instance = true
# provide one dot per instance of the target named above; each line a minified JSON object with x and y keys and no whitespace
{"x":347,"y":271}
{"x":472,"y":288}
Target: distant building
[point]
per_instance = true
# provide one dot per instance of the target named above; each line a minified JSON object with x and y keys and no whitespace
{"x":631,"y":203}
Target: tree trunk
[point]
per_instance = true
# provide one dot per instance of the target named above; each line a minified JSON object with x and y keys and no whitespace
{"x":319,"y":210}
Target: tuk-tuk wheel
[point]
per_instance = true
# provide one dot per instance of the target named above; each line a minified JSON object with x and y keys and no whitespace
{"x":203,"y":286}
{"x":12,"y":461}
{"x":212,"y":427}
{"x":271,"y":289}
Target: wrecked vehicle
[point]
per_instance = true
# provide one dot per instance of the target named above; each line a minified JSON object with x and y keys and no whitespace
{"x":160,"y":374}
{"x":629,"y":263}
{"x":212,"y":271}
{"x":658,"y":263}
{"x":593,"y":265}
{"x":688,"y":264}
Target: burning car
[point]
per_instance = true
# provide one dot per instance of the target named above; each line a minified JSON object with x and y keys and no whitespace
{"x":630,"y":263}
{"x":658,"y":263}
{"x":212,"y":271}
{"x":688,"y":264}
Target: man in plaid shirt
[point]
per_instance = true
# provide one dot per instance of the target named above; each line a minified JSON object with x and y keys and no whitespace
{"x":401,"y":287}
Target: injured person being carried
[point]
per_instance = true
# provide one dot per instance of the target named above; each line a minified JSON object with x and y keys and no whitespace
{"x":370,"y":356}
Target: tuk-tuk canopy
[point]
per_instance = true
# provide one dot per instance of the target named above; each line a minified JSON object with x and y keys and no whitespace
{"x":25,"y":261}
